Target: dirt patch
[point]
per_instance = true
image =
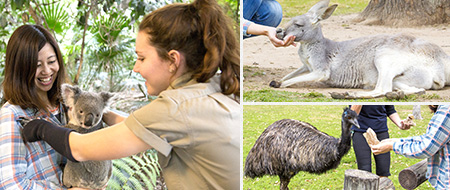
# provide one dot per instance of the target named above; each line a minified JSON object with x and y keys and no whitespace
{"x":264,"y":63}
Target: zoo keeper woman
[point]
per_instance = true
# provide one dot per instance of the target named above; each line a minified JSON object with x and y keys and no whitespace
{"x":195,"y":121}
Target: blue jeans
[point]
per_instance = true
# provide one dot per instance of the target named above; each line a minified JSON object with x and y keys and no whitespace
{"x":264,"y":12}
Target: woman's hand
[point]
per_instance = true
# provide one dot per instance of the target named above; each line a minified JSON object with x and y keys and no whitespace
{"x":384,"y":146}
{"x":287,"y":41}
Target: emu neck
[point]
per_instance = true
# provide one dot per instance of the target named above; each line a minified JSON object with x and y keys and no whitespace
{"x":345,"y":140}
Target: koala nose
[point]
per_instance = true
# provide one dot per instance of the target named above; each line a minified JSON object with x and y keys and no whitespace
{"x":89,"y":119}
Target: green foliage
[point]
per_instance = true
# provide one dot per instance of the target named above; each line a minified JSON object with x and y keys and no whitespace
{"x":327,"y":118}
{"x":293,"y":8}
{"x":18,"y":4}
{"x":135,"y":172}
{"x":274,"y":95}
{"x":231,"y":8}
{"x":107,"y":28}
{"x":55,"y":15}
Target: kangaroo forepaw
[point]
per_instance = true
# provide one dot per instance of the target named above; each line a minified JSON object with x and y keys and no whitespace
{"x":275,"y":84}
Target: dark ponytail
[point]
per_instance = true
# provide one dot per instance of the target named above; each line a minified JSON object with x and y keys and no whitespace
{"x":203,"y":33}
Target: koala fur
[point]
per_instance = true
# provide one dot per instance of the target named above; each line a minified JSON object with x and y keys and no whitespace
{"x":85,"y":115}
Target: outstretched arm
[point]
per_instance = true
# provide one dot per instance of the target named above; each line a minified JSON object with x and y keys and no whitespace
{"x":395,"y":118}
{"x":113,"y":117}
{"x":110,"y":143}
{"x":106,"y":144}
{"x":270,"y":32}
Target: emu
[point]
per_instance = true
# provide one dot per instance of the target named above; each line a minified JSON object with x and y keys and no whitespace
{"x":289,"y":146}
{"x":390,"y":65}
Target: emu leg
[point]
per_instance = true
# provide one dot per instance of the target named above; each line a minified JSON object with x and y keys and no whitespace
{"x":284,"y":182}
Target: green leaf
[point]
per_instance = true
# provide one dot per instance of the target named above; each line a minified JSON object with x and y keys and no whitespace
{"x":55,"y":15}
{"x":135,"y":172}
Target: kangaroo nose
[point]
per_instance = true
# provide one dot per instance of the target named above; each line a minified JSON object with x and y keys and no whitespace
{"x":280,"y":33}
{"x":89,"y":119}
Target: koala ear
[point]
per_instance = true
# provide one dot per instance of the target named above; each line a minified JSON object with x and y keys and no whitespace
{"x":69,"y":93}
{"x":107,"y":98}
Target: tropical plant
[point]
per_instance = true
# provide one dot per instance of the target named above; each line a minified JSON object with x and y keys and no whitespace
{"x":135,"y":172}
{"x":55,"y":15}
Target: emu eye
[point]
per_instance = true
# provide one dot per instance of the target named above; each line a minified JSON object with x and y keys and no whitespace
{"x":98,"y":115}
{"x":81,"y":111}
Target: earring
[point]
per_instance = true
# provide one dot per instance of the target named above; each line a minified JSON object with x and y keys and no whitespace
{"x":171,"y":70}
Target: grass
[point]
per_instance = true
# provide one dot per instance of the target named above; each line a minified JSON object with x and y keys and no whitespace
{"x":293,"y":8}
{"x":271,"y":95}
{"x":326,"y":118}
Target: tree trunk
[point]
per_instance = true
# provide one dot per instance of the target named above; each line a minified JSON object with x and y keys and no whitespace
{"x":77,"y":76}
{"x":417,"y":113}
{"x":360,"y":180}
{"x":406,"y":12}
{"x":386,"y":184}
{"x":413,"y":176}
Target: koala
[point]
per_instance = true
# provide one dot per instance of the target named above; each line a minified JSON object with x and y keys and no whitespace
{"x":85,"y":111}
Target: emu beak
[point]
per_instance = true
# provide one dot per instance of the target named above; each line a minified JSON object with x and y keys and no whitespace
{"x":354,"y":121}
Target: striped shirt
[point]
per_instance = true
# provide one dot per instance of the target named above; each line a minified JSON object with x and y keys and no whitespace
{"x":433,"y":145}
{"x":27,"y":166}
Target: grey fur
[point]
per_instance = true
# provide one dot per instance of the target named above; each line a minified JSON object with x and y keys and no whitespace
{"x":289,"y":146}
{"x":384,"y":63}
{"x":85,"y":115}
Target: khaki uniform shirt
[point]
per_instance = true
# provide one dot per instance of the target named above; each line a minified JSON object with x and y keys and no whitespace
{"x":196,"y":131}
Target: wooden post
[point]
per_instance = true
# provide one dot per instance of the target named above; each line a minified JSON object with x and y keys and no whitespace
{"x":386,"y":184}
{"x":413,"y":176}
{"x":360,"y":180}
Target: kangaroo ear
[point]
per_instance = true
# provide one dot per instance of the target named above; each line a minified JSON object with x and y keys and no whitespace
{"x":328,"y":12}
{"x":320,"y":11}
{"x":69,"y":94}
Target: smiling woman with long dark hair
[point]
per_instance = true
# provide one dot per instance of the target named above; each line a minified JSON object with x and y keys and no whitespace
{"x":34,"y":72}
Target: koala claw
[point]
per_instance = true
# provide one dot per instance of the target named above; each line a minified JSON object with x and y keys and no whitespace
{"x":23,"y":121}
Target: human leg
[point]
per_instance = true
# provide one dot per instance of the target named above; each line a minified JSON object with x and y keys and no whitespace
{"x":362,"y":152}
{"x":250,"y":7}
{"x":265,"y":12}
{"x":383,"y":161}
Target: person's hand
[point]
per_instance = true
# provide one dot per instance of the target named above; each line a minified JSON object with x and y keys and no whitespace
{"x":405,"y":125}
{"x":32,"y":129}
{"x":287,"y":41}
{"x":383,"y":147}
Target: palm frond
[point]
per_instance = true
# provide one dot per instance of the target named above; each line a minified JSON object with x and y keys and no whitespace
{"x":55,"y":14}
{"x":135,"y":172}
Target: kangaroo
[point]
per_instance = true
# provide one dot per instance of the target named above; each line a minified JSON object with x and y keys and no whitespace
{"x":390,"y":65}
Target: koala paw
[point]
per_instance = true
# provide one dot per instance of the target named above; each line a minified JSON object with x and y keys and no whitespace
{"x":23,"y":121}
